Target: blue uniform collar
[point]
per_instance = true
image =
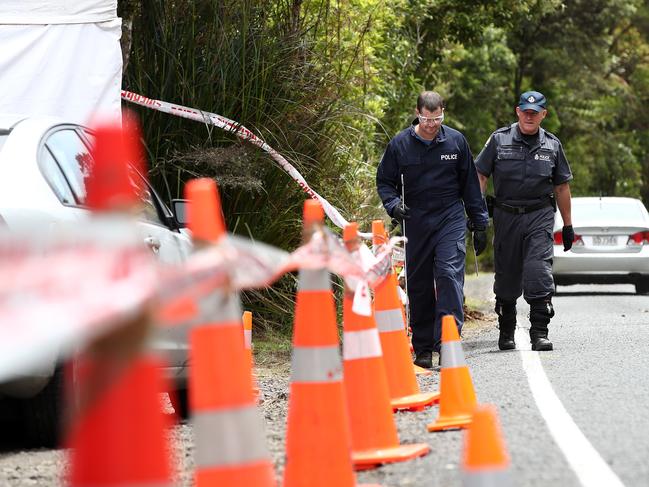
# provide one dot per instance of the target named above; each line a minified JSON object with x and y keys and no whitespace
{"x":441,"y":133}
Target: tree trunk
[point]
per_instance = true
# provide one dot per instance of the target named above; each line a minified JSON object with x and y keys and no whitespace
{"x":127,"y":10}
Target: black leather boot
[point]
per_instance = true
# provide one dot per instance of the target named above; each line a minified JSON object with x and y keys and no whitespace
{"x":506,"y":312}
{"x":424,"y":359}
{"x":541,"y":311}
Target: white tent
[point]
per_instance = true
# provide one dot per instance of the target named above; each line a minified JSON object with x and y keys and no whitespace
{"x":60,"y":57}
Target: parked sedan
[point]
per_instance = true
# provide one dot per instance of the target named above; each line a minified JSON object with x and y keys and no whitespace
{"x":42,"y":184}
{"x":611,"y":244}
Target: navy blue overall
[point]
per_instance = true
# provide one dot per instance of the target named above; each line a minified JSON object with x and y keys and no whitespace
{"x":440,"y":182}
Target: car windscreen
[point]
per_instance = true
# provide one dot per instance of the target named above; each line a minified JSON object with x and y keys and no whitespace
{"x":609,"y":212}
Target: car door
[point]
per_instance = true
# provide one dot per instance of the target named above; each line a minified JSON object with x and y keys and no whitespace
{"x":70,"y":147}
{"x":167,"y":243}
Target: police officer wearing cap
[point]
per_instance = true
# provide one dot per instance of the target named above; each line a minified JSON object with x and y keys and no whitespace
{"x":440,"y":182}
{"x":531,"y":177}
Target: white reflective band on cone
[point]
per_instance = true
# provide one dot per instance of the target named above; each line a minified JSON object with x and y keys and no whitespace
{"x":389,"y":320}
{"x":314,"y":280}
{"x":361,"y":344}
{"x":229,"y":437}
{"x":220,"y":306}
{"x":216,"y":308}
{"x":452,"y":355}
{"x":247,"y":335}
{"x":495,"y":478}
{"x":316,"y":364}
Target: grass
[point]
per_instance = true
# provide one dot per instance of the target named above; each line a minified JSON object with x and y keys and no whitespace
{"x":258,"y":63}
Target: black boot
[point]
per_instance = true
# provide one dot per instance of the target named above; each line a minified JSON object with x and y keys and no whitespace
{"x":541,"y":311}
{"x":424,"y":359}
{"x":506,"y":312}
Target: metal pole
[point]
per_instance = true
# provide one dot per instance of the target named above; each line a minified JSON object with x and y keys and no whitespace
{"x":405,"y":260}
{"x":475,"y":255}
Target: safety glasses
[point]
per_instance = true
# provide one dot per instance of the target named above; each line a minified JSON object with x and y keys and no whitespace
{"x":434,"y":120}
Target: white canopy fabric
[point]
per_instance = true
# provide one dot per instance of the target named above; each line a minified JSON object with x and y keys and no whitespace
{"x":61,"y":58}
{"x":57,"y":11}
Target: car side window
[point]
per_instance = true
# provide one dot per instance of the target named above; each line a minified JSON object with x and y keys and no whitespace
{"x":74,"y":159}
{"x":73,"y":155}
{"x":148,"y":210}
{"x":55,"y":177}
{"x":3,"y":138}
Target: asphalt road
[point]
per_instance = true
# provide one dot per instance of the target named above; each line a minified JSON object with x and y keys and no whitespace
{"x":577,"y":416}
{"x":598,"y":371}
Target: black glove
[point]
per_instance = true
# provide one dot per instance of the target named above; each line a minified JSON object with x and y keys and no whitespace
{"x":400,"y":212}
{"x":568,"y":235}
{"x":479,"y":241}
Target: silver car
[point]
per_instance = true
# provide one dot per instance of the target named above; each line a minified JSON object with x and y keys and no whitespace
{"x":42,"y":184}
{"x":611,"y":244}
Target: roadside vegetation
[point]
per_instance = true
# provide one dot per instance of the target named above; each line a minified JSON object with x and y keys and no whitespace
{"x":327,"y":83}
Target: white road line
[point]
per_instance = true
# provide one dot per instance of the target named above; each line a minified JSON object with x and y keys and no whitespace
{"x":588,"y":465}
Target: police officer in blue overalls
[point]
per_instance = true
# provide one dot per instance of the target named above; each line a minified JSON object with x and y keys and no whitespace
{"x":439,"y":182}
{"x":530,"y":174}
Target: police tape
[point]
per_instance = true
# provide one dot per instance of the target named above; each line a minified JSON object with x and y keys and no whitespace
{"x":244,"y":134}
{"x":60,"y":292}
{"x":238,"y":264}
{"x":63,"y":291}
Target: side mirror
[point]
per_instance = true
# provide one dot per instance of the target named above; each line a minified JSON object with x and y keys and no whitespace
{"x":179,"y":208}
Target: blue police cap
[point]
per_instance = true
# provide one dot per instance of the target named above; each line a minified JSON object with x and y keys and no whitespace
{"x":532,"y":100}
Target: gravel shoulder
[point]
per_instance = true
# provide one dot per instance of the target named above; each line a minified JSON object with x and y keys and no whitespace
{"x":440,"y":467}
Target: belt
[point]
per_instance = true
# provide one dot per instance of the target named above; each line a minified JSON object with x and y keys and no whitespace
{"x":521,"y":210}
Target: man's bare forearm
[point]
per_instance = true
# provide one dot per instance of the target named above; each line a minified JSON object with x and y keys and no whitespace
{"x":562,"y":194}
{"x":483,"y":182}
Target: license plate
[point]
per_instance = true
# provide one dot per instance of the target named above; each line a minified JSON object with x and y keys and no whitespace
{"x":604,"y":240}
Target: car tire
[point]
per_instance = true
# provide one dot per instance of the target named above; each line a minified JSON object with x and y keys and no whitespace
{"x":642,"y":287}
{"x":180,"y":402}
{"x":40,"y":415}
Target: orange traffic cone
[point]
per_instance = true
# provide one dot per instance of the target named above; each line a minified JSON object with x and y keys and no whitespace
{"x":117,"y":445}
{"x":247,"y":332}
{"x":418,"y":370}
{"x":404,"y":389}
{"x":119,"y":437}
{"x":457,"y":400}
{"x":247,"y":340}
{"x":230,"y":444}
{"x":318,"y":440}
{"x":485,"y":462}
{"x":374,"y":433}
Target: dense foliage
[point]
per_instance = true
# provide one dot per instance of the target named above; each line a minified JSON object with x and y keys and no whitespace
{"x":328,"y":82}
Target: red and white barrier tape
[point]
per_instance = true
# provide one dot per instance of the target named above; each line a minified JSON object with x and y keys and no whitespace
{"x":244,"y":134}
{"x":58,"y":294}
{"x":61,"y":292}
{"x":239,"y":264}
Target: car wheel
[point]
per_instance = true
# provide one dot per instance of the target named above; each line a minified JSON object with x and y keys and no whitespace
{"x":41,"y":415}
{"x":642,"y":287}
{"x":180,"y":402}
